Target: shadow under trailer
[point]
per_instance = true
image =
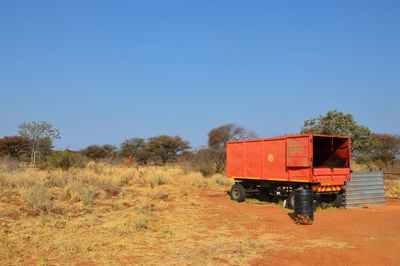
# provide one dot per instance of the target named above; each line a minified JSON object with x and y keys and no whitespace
{"x":274,"y":168}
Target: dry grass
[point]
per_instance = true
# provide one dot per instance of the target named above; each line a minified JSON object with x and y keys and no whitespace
{"x":356,"y":167}
{"x":326,"y":242}
{"x":392,"y":188}
{"x":115,"y":215}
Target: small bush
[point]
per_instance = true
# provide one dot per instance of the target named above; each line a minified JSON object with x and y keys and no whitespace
{"x":141,"y":222}
{"x":152,"y":180}
{"x":98,"y":168}
{"x":86,"y":195}
{"x":63,"y":159}
{"x":160,"y":194}
{"x":38,"y":197}
{"x":204,"y":162}
{"x":160,"y":180}
{"x":220,"y":181}
{"x":392,"y":188}
{"x":206,"y":170}
{"x":54,"y":180}
{"x":124,"y":180}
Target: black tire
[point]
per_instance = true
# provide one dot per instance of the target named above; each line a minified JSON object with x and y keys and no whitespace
{"x":290,"y":200}
{"x":238,"y":192}
{"x":340,"y":200}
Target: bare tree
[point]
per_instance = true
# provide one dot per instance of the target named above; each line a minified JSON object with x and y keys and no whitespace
{"x":218,"y":137}
{"x":38,"y":133}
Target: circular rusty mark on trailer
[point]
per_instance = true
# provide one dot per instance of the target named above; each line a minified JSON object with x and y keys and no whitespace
{"x":270,"y":157}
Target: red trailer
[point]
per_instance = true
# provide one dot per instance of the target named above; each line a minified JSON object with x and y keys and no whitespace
{"x":278,"y":166}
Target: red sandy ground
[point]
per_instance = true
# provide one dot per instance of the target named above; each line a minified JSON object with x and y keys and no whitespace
{"x":372,"y":234}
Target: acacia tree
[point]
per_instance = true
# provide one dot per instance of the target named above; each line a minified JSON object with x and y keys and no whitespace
{"x":386,"y":147}
{"x":131,"y":147}
{"x":14,"y":146}
{"x":165,"y":148}
{"x":40,"y":135}
{"x":135,"y":147}
{"x":341,"y":124}
{"x":96,"y":152}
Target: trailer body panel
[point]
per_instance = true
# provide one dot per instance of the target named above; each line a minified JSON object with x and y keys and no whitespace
{"x":306,"y":158}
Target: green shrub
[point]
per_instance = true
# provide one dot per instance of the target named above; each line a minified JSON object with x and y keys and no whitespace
{"x":63,"y":159}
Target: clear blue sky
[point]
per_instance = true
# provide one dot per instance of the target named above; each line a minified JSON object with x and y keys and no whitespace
{"x":104,"y":71}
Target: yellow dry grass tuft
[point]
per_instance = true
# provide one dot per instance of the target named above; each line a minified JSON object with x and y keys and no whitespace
{"x":326,"y":242}
{"x":392,"y":188}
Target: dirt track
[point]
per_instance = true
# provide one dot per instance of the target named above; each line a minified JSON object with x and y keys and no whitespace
{"x":366,"y":236}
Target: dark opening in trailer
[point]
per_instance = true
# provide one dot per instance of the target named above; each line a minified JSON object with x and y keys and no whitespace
{"x":331,"y":152}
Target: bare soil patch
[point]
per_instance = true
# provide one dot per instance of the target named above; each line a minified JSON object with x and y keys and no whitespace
{"x":366,"y":236}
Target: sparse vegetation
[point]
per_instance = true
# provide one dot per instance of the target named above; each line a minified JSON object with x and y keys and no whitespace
{"x":37,"y":197}
{"x":91,"y":206}
{"x":392,"y":188}
{"x":86,"y":195}
{"x":105,"y":213}
{"x":40,"y":136}
{"x":141,"y":221}
{"x":88,"y":213}
{"x":63,"y":160}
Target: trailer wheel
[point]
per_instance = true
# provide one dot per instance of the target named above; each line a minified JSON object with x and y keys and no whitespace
{"x":290,"y":200}
{"x":340,"y":200}
{"x":238,"y":192}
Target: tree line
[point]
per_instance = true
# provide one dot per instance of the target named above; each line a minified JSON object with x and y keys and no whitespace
{"x":34,"y":145}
